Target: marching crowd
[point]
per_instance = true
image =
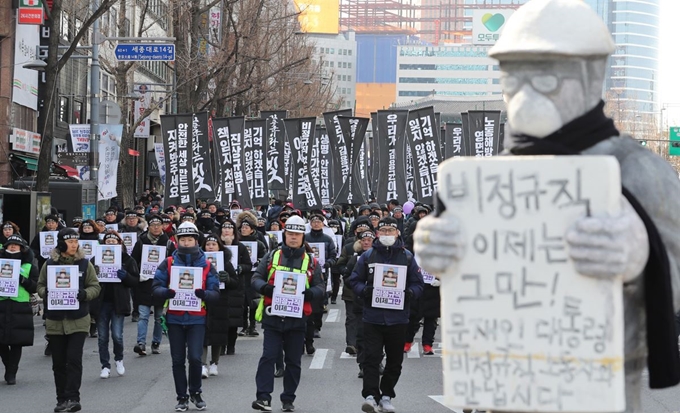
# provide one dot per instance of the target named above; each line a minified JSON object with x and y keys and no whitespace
{"x":240,"y":257}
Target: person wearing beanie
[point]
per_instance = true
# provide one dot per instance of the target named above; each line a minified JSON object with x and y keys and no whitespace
{"x":246,"y":224}
{"x":16,"y":313}
{"x":76,"y":221}
{"x":186,"y":329}
{"x":132,"y":223}
{"x":114,"y":300}
{"x":89,"y":231}
{"x":9,"y":228}
{"x":285,"y":334}
{"x":52,"y":223}
{"x":111,"y":216}
{"x":384,"y":329}
{"x":67,"y":329}
{"x":206,"y":222}
{"x":419,"y":213}
{"x":146,"y":303}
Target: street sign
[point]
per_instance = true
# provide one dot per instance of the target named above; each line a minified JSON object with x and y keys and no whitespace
{"x":674,"y":138}
{"x":145,"y":52}
{"x":30,"y":12}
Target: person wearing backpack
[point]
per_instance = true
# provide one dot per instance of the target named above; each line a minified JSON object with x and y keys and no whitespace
{"x":384,"y":328}
{"x":284,"y":333}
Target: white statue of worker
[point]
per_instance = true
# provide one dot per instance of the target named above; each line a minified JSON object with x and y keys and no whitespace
{"x":553,"y":55}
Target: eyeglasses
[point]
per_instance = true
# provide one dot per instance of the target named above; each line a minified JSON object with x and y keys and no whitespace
{"x":387,"y":230}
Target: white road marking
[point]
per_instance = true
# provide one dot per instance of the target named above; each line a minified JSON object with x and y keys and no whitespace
{"x":415,"y":352}
{"x":319,"y":358}
{"x":345,"y":355}
{"x":440,"y":400}
{"x":333,"y":316}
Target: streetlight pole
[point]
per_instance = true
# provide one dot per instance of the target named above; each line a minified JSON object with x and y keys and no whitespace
{"x":95,"y":90}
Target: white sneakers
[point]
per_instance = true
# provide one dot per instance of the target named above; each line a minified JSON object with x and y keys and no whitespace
{"x":120,"y":368}
{"x":106,"y":373}
{"x":386,"y":404}
{"x":213,"y":370}
{"x":369,"y":405}
{"x":204,"y":371}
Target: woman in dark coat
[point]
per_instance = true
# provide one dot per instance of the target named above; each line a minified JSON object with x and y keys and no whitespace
{"x":16,"y":313}
{"x":89,"y":231}
{"x":221,"y":313}
{"x":229,"y":236}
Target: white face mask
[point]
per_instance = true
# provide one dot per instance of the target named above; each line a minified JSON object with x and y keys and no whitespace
{"x":387,"y":240}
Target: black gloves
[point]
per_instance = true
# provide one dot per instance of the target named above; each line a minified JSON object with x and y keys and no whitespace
{"x":367,"y":294}
{"x":24,"y":282}
{"x":327,"y":265}
{"x":239,"y":270}
{"x":223,"y":276}
{"x":200,"y":293}
{"x":171,"y":293}
{"x":82,"y":295}
{"x":408,"y":294}
{"x":267,"y":290}
{"x":308,"y":294}
{"x":121,"y":274}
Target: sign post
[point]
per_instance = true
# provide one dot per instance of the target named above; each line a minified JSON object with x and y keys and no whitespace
{"x":674,"y":138}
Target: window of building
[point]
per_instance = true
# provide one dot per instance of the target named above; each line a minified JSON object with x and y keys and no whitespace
{"x":349,"y":65}
{"x":349,"y":78}
{"x":64,"y":114}
{"x":349,"y":52}
{"x":332,"y":50}
{"x":331,"y":63}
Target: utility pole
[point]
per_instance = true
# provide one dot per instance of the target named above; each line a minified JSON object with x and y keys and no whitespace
{"x":95,"y":90}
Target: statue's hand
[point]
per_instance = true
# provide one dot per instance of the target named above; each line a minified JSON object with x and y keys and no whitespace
{"x":606,"y":246}
{"x":438,"y":242}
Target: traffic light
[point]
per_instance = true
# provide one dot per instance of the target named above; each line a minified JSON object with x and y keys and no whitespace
{"x":643,"y":143}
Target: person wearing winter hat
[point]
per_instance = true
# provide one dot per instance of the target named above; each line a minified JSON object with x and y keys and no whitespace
{"x":398,"y":214}
{"x":132,"y":223}
{"x":384,"y":329}
{"x":186,"y":329}
{"x":246,"y":222}
{"x":9,"y":228}
{"x":206,"y":222}
{"x":111,"y":216}
{"x":16,"y":313}
{"x":89,"y":231}
{"x":374,"y":217}
{"x":76,"y":221}
{"x":52,"y":223}
{"x":284,"y":333}
{"x":114,"y":307}
{"x":67,"y":329}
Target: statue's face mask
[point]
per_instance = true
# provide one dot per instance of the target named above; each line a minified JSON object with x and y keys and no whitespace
{"x":542,"y":96}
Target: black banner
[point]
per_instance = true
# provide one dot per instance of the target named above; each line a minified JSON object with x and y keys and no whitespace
{"x":276,"y":137}
{"x":254,"y":152}
{"x":325,"y":167}
{"x":467,"y":151}
{"x":179,"y":183}
{"x":410,"y":185}
{"x":203,"y":177}
{"x":217,"y":160}
{"x":483,"y":139}
{"x":392,"y":155}
{"x":241,"y":190}
{"x":299,"y":132}
{"x":353,"y":132}
{"x":374,"y":158}
{"x":314,"y":161}
{"x":223,"y":158}
{"x":453,"y":140}
{"x":501,"y":138}
{"x":362,"y":167}
{"x":422,"y":134}
{"x":338,"y":148}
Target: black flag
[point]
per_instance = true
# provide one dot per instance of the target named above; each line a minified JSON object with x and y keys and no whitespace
{"x":392,"y":155}
{"x":468,"y":151}
{"x":276,"y":136}
{"x":202,"y":171}
{"x":422,"y":137}
{"x":179,"y":187}
{"x":241,"y":190}
{"x":484,"y":136}
{"x":453,"y":140}
{"x":374,"y":158}
{"x":221,"y":141}
{"x":325,"y":167}
{"x":254,"y":151}
{"x":353,"y":132}
{"x":299,"y":132}
{"x":338,"y":148}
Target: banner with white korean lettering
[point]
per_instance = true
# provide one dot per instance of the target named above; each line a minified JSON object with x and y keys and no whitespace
{"x":202,"y":169}
{"x":392,"y":155}
{"x":241,"y":190}
{"x":276,"y":137}
{"x":254,"y":155}
{"x":216,"y":153}
{"x":223,"y":161}
{"x":179,"y":182}
{"x":423,"y":140}
{"x":299,"y":132}
{"x":338,"y":148}
{"x":314,"y":160}
{"x":373,"y":163}
{"x":109,"y":154}
{"x":325,"y":166}
{"x":484,"y":128}
{"x":353,"y":130}
{"x":467,"y":151}
{"x":525,"y":331}
{"x":453,"y":140}
{"x":361,"y":166}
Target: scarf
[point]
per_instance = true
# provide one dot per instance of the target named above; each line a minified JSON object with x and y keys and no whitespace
{"x":663,"y":359}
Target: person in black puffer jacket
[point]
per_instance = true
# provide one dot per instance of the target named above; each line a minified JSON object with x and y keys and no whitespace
{"x":16,"y":313}
{"x":226,"y":311}
{"x":246,"y":224}
{"x":89,"y":231}
{"x":115,"y":306}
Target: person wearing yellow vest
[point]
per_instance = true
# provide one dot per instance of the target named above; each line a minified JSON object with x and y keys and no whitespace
{"x":16,"y":314}
{"x":186,"y":329}
{"x":284,"y":333}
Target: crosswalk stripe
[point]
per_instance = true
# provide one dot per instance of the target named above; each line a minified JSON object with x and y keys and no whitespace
{"x":319,"y":358}
{"x":415,"y":352}
{"x":333,"y":316}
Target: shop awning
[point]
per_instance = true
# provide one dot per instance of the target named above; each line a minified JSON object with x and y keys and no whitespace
{"x":70,"y":171}
{"x":31,"y":163}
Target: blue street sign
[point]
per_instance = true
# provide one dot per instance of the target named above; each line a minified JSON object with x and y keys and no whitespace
{"x":146,"y":52}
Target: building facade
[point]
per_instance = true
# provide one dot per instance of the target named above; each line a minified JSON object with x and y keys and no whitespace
{"x":337,"y":55}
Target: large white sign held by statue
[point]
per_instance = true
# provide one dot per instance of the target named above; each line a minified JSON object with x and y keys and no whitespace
{"x":521,"y":329}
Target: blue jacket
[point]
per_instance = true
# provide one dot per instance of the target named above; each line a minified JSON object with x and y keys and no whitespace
{"x":162,"y":281}
{"x":360,"y":278}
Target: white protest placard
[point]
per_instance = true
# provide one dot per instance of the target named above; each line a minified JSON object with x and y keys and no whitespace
{"x":216,"y":258}
{"x":9,"y":277}
{"x":319,"y":251}
{"x":234,"y":255}
{"x":108,"y":259}
{"x":252,"y":250}
{"x":152,"y":256}
{"x":89,"y":247}
{"x":523,"y":330}
{"x":112,"y":226}
{"x":62,"y":287}
{"x":427,"y":277}
{"x":389,"y":282}
{"x":129,"y":240}
{"x":184,"y":280}
{"x":338,"y":245}
{"x":278,"y":235}
{"x":288,"y":300}
{"x":48,"y":242}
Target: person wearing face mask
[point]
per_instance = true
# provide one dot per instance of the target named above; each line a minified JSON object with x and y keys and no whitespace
{"x":206,"y":222}
{"x":186,"y":329}
{"x":67,"y":329}
{"x":270,"y":239}
{"x":552,"y":82}
{"x":9,"y":228}
{"x":16,"y":313}
{"x":384,"y":329}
